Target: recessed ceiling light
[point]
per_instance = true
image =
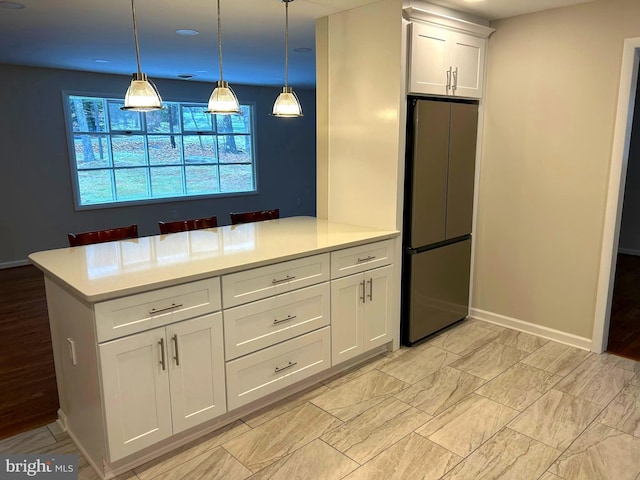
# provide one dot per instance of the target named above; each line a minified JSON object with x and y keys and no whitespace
{"x":187,"y":32}
{"x":12,"y":5}
{"x":302,"y":49}
{"x":101,"y":60}
{"x":185,"y":76}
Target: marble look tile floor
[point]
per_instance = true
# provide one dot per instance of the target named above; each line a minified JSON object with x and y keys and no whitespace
{"x":477,"y":401}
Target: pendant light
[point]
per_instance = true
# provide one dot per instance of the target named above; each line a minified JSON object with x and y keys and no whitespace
{"x":142,"y":95}
{"x":287,"y":103}
{"x":222,"y":100}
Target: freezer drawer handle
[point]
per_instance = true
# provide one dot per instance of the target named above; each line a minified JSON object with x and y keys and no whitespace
{"x":289,"y":317}
{"x":280,"y":280}
{"x":173,"y":306}
{"x":370,"y":282}
{"x":366,"y":259}
{"x":287,"y":366}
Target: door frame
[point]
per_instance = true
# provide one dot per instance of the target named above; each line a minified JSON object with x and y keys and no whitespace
{"x":615,"y":192}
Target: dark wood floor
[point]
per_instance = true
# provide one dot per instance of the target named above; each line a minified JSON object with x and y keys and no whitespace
{"x":624,"y":330}
{"x":28,"y":393}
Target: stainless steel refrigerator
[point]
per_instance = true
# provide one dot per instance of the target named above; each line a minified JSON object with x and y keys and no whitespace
{"x":440,"y":172}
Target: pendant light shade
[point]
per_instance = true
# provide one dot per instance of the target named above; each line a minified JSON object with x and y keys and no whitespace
{"x":142,"y":95}
{"x":222,"y":100}
{"x":287,"y":104}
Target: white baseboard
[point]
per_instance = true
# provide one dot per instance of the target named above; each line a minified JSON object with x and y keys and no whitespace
{"x":16,"y":263}
{"x":629,"y":251}
{"x":527,"y":327}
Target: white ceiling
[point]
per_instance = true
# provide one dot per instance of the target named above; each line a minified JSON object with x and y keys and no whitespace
{"x":73,"y":34}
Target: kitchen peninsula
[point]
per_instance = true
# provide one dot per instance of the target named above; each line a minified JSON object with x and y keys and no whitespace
{"x":161,"y":339}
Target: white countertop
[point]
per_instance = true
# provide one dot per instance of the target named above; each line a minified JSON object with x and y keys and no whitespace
{"x":113,"y":269}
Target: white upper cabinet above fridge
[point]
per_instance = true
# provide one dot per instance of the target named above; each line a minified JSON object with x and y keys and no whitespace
{"x":446,"y":56}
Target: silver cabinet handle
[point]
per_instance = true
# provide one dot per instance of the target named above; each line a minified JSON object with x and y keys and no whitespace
{"x":449,"y":78}
{"x":173,"y":306}
{"x":175,"y":343}
{"x":289,"y":317}
{"x":370,"y":282}
{"x":287,"y":366}
{"x":280,"y":280}
{"x":362,"y":296}
{"x":455,"y":79}
{"x":366,"y":259}
{"x":162,"y":362}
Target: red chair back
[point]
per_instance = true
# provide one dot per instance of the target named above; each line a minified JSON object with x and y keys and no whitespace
{"x":100,"y":236}
{"x":184,"y":225}
{"x":258,"y":216}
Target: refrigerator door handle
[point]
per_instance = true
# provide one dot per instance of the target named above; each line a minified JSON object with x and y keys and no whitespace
{"x":370,"y":282}
{"x":362,"y":297}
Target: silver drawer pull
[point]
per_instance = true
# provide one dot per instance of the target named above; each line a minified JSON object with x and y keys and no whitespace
{"x":289,"y":317}
{"x":370,"y":257}
{"x":175,"y":341}
{"x":285,"y":279}
{"x":287,"y":366}
{"x":173,"y":306}
{"x":162,"y":360}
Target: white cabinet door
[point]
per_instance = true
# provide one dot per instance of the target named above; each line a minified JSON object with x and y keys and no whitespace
{"x":429,"y":63}
{"x":135,"y":384}
{"x":467,"y":60}
{"x":445,"y":62}
{"x":360,"y":313}
{"x":347,"y":308}
{"x":196,"y":371}
{"x":377,"y":307}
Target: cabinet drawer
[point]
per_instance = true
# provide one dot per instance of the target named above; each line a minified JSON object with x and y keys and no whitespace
{"x":266,"y":322}
{"x":136,"y":313}
{"x":262,"y":282}
{"x":361,"y":258}
{"x":260,"y":373}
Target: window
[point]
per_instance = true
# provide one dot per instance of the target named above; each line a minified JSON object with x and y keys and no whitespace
{"x":122,"y":156}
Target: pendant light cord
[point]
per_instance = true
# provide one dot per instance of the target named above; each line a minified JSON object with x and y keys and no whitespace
{"x":286,"y":43}
{"x":135,"y":36}
{"x":219,"y":41}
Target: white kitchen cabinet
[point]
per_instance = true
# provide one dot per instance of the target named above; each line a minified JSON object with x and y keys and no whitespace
{"x":262,"y":282}
{"x":270,"y":369}
{"x":109,"y":334}
{"x":445,"y":62}
{"x":263,"y":323}
{"x":360,"y":313}
{"x":161,"y":382}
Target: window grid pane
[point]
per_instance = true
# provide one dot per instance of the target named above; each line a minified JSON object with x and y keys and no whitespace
{"x":175,"y":152}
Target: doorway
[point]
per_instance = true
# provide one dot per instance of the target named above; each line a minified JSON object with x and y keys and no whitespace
{"x":624,"y":325}
{"x":615,"y":196}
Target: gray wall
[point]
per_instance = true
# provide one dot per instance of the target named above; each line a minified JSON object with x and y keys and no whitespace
{"x":36,"y":193}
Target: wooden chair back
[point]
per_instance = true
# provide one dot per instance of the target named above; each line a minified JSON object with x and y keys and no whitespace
{"x":185,"y":225}
{"x":100,"y":236}
{"x":258,"y":216}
